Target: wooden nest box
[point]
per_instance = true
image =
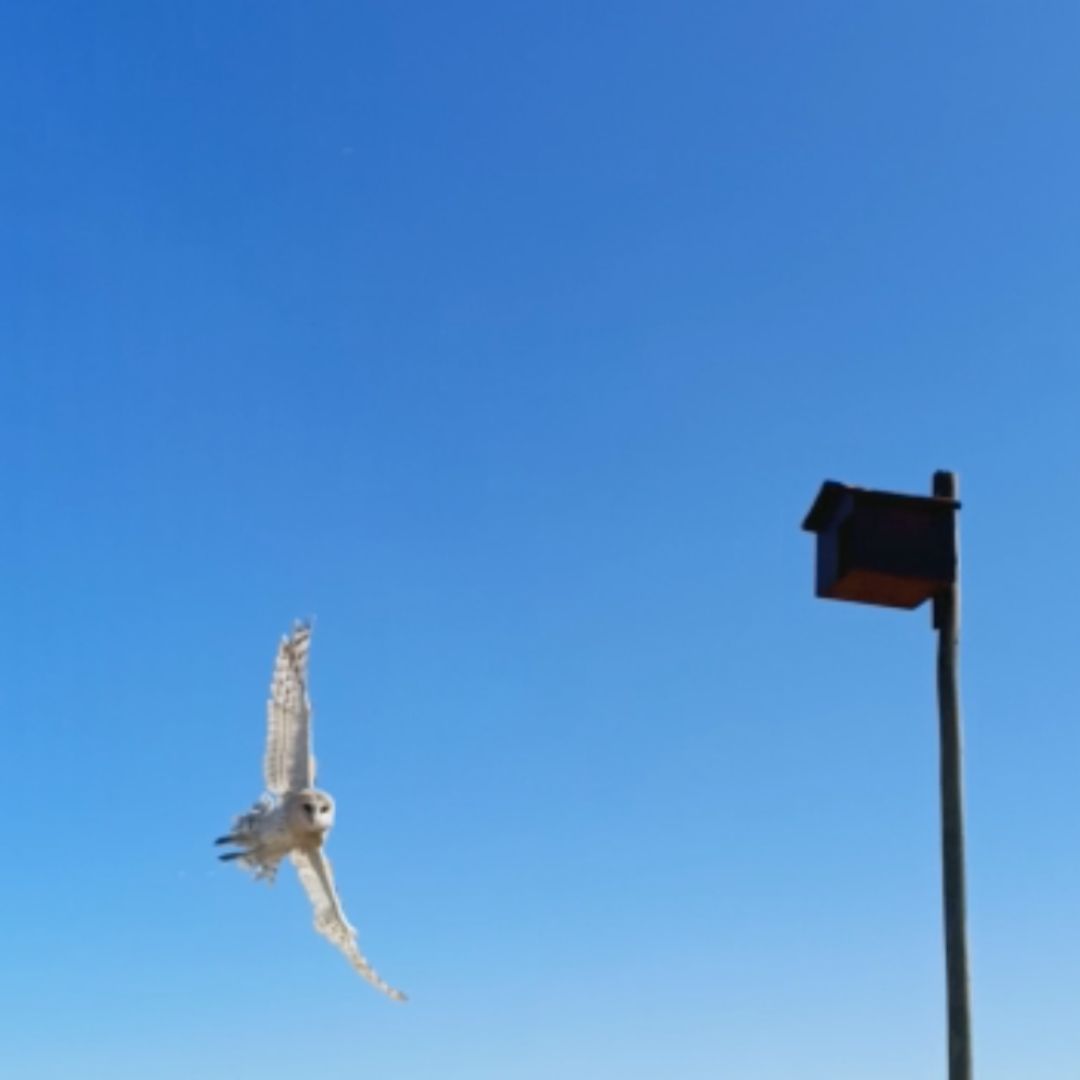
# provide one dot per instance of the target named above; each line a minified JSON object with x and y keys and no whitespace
{"x":879,"y":547}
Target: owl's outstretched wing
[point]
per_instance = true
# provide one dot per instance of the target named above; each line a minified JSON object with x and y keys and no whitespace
{"x":288,"y":764}
{"x":318,"y":881}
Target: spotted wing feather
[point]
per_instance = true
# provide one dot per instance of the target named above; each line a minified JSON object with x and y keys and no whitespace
{"x":288,"y":764}
{"x":317,"y":879}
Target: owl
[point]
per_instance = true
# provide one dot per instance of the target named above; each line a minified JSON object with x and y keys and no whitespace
{"x":293,"y":818}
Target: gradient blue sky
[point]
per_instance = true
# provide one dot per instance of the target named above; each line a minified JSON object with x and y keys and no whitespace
{"x":513,"y":340}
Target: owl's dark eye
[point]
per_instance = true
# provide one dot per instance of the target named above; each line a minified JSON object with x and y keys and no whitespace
{"x":309,"y":807}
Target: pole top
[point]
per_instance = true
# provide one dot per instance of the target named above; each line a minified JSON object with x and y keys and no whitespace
{"x":946,"y":484}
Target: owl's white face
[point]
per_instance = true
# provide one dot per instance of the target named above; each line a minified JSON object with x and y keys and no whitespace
{"x":312,"y":811}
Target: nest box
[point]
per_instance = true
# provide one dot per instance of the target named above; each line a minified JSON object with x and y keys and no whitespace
{"x":879,"y":547}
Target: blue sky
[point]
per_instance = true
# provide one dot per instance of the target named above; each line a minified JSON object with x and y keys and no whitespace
{"x":513,"y":341}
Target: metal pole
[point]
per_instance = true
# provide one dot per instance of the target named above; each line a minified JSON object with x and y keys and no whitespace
{"x":947,"y":623}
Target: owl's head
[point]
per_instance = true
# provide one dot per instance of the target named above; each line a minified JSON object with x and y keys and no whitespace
{"x":311,"y":811}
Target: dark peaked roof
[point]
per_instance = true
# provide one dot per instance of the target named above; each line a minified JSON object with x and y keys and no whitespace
{"x":833,"y":494}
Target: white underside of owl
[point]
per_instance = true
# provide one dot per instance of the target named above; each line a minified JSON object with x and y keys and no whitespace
{"x":265,"y":838}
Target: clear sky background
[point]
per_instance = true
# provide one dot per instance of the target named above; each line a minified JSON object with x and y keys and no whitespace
{"x":513,"y":340}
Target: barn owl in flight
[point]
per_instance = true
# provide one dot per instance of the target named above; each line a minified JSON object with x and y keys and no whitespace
{"x":293,"y":818}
